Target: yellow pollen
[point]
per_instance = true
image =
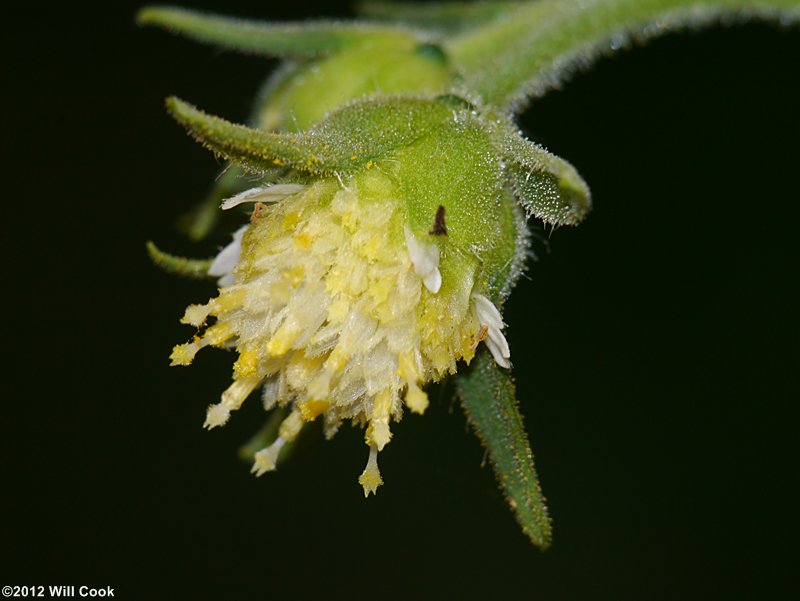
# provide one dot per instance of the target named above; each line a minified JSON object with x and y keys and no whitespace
{"x":183,"y":354}
{"x":246,"y":364}
{"x":310,"y":409}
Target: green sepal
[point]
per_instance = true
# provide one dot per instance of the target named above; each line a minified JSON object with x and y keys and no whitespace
{"x":309,"y":38}
{"x":546,"y":186}
{"x":488,"y":398}
{"x":345,"y":141}
{"x":190,"y":268}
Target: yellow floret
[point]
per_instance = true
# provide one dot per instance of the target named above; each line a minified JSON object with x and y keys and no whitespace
{"x":416,"y":399}
{"x":328,"y":307}
{"x":370,"y":478}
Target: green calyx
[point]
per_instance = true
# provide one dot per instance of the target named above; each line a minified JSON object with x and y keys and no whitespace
{"x":441,"y":152}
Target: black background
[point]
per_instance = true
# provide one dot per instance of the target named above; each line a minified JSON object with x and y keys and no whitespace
{"x":656,"y":346}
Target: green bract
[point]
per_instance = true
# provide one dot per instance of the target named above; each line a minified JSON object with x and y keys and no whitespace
{"x":440,"y":151}
{"x":328,"y":64}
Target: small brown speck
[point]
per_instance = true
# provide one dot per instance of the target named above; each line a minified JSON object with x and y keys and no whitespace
{"x":439,"y":226}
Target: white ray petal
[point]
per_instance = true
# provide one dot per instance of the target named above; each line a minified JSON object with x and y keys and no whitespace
{"x":425,"y":258}
{"x":496,"y":342}
{"x":487,"y":312}
{"x":227,"y":259}
{"x":497,"y":353}
{"x":272,"y":193}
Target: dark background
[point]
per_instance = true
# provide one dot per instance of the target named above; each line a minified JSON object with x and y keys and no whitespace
{"x":656,"y":346}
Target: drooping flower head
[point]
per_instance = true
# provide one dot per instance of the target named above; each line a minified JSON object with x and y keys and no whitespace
{"x":345,"y":295}
{"x":350,"y":290}
{"x":340,"y":311}
{"x":381,"y":243}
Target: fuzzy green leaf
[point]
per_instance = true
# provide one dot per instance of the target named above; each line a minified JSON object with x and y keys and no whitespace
{"x":548,"y":187}
{"x":191,"y":268}
{"x":349,"y":138}
{"x":488,"y":398}
{"x":272,"y":39}
{"x":536,"y":47}
{"x":441,"y":16}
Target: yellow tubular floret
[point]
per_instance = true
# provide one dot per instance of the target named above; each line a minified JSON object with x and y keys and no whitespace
{"x":370,"y":478}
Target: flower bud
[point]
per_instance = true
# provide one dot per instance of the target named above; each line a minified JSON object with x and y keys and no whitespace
{"x":305,"y":91}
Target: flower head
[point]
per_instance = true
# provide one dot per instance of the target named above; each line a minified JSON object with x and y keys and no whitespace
{"x":340,"y":311}
{"x":373,"y":269}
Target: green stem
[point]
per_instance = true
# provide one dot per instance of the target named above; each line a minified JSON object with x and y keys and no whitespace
{"x":442,"y":16}
{"x":536,"y":47}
